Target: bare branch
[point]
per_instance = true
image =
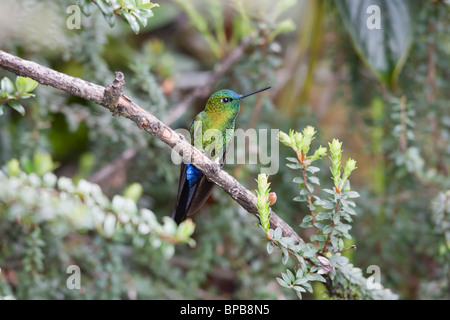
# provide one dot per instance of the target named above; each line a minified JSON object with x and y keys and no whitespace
{"x":114,"y":90}
{"x":125,"y":107}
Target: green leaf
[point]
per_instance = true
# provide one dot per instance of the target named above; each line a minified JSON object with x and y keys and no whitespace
{"x":285,"y":256}
{"x":343,"y":228}
{"x":131,"y":20}
{"x":30,"y":84}
{"x":277,"y":234}
{"x":349,"y":210}
{"x":329,"y":191}
{"x":133,"y":191}
{"x":306,"y":224}
{"x":25,"y":95}
{"x":336,"y":218}
{"x":294,"y":166}
{"x":86,"y":7}
{"x":143,"y":16}
{"x":105,"y":7}
{"x":290,"y":275}
{"x":17,"y":106}
{"x":43,"y":163}
{"x":299,"y":289}
{"x":318,"y":201}
{"x":297,"y":180}
{"x":327,"y":229}
{"x":310,"y":251}
{"x":282,"y":283}
{"x":300,"y":281}
{"x":21,"y":84}
{"x":284,"y":26}
{"x":314,"y":180}
{"x":13,"y":166}
{"x":269,"y":247}
{"x":315,"y":277}
{"x":300,"y":198}
{"x":6,"y":85}
{"x":318,"y":237}
{"x":147,"y":6}
{"x":328,"y":205}
{"x":312,"y":169}
{"x":351,"y":194}
{"x":185,"y":231}
{"x":24,"y":84}
{"x":303,"y":192}
{"x":308,"y":287}
{"x":381,"y":32}
{"x":111,"y":20}
{"x":109,"y":225}
{"x":310,"y":187}
{"x":323,"y":216}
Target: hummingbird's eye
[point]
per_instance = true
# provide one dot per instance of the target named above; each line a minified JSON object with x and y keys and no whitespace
{"x":226,"y":100}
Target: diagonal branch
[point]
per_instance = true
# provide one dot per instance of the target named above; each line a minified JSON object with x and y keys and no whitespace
{"x":125,"y":107}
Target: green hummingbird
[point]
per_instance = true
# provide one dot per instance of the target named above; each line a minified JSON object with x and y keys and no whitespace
{"x":211,"y":131}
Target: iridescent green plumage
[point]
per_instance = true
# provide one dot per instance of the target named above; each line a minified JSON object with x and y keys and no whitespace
{"x":217,"y":120}
{"x":211,"y":131}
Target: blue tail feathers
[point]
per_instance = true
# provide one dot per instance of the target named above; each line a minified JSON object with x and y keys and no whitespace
{"x":192,"y":175}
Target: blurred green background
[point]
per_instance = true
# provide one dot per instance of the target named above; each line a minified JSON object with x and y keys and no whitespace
{"x":383,"y":92}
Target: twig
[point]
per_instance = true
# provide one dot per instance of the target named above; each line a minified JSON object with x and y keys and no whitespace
{"x":346,"y":249}
{"x":125,"y":107}
{"x":114,"y":90}
{"x":112,"y":167}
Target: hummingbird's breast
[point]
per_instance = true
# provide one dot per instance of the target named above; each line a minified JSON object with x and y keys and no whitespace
{"x":216,"y":132}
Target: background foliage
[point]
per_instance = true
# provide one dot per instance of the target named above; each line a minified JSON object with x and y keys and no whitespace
{"x":59,"y":208}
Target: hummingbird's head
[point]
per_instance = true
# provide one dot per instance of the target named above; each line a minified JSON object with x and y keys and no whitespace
{"x":227,"y":100}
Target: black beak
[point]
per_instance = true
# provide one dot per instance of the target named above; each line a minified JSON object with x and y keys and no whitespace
{"x":249,"y":94}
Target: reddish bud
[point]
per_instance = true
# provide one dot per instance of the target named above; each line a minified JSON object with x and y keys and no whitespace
{"x":272,"y":198}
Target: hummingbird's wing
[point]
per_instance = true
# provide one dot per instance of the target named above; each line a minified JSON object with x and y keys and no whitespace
{"x":191,"y":199}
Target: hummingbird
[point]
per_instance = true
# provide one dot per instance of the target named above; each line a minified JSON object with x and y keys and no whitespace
{"x":211,"y":131}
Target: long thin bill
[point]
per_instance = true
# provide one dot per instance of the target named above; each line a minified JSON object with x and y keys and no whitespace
{"x":249,"y":94}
